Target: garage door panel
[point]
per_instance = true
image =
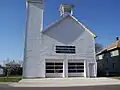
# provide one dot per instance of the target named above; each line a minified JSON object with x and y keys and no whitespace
{"x":54,"y":75}
{"x":80,"y":71}
{"x":80,"y":67}
{"x":76,"y":74}
{"x":54,"y":69}
{"x":75,"y":69}
{"x":59,"y":67}
{"x":75,"y":63}
{"x":59,"y":63}
{"x":58,"y":71}
{"x":49,"y":63}
{"x":49,"y":71}
{"x":49,"y":67}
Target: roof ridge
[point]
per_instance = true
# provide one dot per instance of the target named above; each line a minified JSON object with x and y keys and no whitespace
{"x":111,"y":46}
{"x":57,"y":21}
{"x":118,"y":41}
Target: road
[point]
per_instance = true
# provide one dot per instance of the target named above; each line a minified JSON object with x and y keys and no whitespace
{"x":113,"y":87}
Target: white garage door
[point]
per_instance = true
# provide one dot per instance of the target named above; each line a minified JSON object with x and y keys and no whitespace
{"x":54,"y":69}
{"x":75,"y":69}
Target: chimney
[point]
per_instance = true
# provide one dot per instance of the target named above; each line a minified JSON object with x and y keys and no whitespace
{"x":66,"y":9}
{"x":117,"y":38}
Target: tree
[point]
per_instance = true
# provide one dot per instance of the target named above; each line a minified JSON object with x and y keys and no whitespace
{"x":20,"y":62}
{"x":98,"y":47}
{"x":12,"y":68}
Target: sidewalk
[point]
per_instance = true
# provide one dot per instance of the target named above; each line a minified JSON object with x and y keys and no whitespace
{"x":65,"y":82}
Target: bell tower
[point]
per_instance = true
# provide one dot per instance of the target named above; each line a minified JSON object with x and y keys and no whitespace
{"x":34,"y":25}
{"x":66,"y":9}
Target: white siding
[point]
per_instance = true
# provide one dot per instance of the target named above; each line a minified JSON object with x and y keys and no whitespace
{"x":41,"y":46}
{"x":32,"y":65}
{"x":68,"y":32}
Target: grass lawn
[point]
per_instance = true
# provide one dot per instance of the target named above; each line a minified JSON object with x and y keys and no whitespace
{"x":117,"y":77}
{"x":10,"y":79}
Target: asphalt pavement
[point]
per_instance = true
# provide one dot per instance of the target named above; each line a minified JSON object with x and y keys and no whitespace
{"x":107,"y":87}
{"x":63,"y":84}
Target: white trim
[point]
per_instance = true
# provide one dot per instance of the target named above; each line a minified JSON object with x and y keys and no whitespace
{"x":85,"y":75}
{"x":35,"y":1}
{"x":56,"y":22}
{"x":83,"y":26}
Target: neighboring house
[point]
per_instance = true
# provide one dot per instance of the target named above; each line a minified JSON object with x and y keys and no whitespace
{"x":1,"y":70}
{"x":65,"y":49}
{"x":108,"y":60}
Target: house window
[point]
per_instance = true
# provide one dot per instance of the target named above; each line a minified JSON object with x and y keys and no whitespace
{"x":100,"y":57}
{"x":75,"y":67}
{"x":107,"y":60}
{"x":65,"y":49}
{"x":107,"y":55}
{"x":114,"y":65}
{"x":54,"y":67}
{"x":114,"y":53}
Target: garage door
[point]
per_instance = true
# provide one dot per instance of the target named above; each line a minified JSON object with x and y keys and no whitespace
{"x":76,"y":69}
{"x":54,"y":69}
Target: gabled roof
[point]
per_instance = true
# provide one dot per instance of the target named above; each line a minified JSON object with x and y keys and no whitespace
{"x":110,"y":47}
{"x":114,"y":45}
{"x":58,"y":21}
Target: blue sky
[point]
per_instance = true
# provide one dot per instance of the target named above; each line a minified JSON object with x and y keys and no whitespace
{"x":101,"y":16}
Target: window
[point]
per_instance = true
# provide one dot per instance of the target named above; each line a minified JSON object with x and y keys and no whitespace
{"x":107,"y":55}
{"x":114,"y":65}
{"x":65,"y":49}
{"x":107,"y":61}
{"x":115,"y":53}
{"x":100,"y":57}
{"x":75,"y":67}
{"x":103,"y":65}
{"x":54,"y":67}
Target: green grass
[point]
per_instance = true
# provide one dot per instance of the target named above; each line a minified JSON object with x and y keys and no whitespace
{"x":10,"y":79}
{"x":117,"y":77}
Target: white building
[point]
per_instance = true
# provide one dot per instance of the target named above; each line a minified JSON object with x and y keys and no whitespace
{"x":65,"y":49}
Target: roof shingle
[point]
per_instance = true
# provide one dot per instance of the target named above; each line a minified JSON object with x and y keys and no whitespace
{"x":110,"y":47}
